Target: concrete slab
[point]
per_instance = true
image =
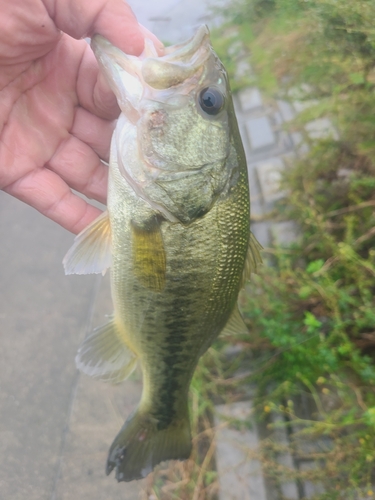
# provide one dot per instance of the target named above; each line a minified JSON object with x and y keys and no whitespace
{"x":321,"y":128}
{"x":297,"y":139}
{"x":240,"y":475}
{"x":250,"y":99}
{"x":261,"y":231}
{"x":284,"y":233}
{"x":98,"y":412}
{"x":286,"y":110}
{"x":278,"y":119}
{"x":288,"y":489}
{"x":42,"y":320}
{"x":236,"y":50}
{"x":300,"y":146}
{"x":269,"y":174}
{"x":300,"y":97}
{"x":311,"y":489}
{"x":300,"y":106}
{"x":55,"y":425}
{"x":243,"y":69}
{"x":260,"y":133}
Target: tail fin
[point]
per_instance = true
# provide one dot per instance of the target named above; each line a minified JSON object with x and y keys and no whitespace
{"x":139,"y":446}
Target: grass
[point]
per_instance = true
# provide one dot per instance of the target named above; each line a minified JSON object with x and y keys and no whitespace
{"x":311,"y":316}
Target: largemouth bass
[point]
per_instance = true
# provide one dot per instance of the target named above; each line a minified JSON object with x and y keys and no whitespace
{"x":176,"y":237}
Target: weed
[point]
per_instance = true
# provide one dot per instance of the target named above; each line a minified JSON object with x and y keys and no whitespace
{"x":311,"y":316}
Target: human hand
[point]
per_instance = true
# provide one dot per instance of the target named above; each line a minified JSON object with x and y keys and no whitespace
{"x":56,"y":110}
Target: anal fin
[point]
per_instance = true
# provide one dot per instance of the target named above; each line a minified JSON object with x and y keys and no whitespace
{"x":104,"y":356}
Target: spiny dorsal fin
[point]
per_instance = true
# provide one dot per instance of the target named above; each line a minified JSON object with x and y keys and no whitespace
{"x":235,"y":324}
{"x":91,"y":250}
{"x":253,"y":258}
{"x":104,"y":355}
{"x":149,"y":255}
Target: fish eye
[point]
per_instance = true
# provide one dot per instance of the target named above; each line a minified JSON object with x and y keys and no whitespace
{"x":211,"y":100}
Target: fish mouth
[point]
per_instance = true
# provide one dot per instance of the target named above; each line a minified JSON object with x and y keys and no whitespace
{"x":132,"y":77}
{"x":153,"y":91}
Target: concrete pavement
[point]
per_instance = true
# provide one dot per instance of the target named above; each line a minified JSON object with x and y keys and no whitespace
{"x":56,"y":425}
{"x":43,"y":316}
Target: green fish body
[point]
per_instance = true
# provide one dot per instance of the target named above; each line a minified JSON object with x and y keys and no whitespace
{"x":176,"y":238}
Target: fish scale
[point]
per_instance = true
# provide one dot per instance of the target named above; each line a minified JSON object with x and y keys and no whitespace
{"x":176,"y":237}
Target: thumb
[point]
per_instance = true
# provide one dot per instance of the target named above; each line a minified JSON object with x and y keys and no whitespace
{"x":112,"y":19}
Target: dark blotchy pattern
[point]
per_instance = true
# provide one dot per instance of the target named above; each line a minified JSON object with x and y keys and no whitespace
{"x":170,"y":330}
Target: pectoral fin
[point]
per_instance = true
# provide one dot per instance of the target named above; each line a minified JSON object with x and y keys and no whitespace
{"x":91,"y":250}
{"x":253,"y":258}
{"x":235,"y":324}
{"x":149,"y":255}
{"x":104,"y":356}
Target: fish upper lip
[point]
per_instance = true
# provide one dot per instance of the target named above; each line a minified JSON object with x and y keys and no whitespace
{"x":183,"y":51}
{"x":188,"y":48}
{"x":179,"y":62}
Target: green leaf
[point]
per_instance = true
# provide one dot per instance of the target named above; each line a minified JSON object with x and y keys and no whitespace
{"x":311,"y":321}
{"x":357,"y":78}
{"x":305,"y":292}
{"x":315,"y":266}
{"x":369,"y":416}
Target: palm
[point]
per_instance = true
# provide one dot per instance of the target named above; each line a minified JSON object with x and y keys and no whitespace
{"x":56,"y":110}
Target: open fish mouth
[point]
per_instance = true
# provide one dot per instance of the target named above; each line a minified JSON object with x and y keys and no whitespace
{"x":172,"y":138}
{"x":132,"y":78}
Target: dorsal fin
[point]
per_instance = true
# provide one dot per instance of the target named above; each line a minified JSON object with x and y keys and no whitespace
{"x":235,"y":325}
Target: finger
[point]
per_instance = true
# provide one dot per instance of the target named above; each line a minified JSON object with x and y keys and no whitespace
{"x":94,"y":131}
{"x":93,"y":91}
{"x":80,"y":167}
{"x":113,"y":19}
{"x":49,"y":194}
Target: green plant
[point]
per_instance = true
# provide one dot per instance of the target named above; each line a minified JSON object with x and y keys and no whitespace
{"x":311,"y":316}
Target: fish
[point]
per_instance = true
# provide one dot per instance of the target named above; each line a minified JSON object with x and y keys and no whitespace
{"x":175,"y":236}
